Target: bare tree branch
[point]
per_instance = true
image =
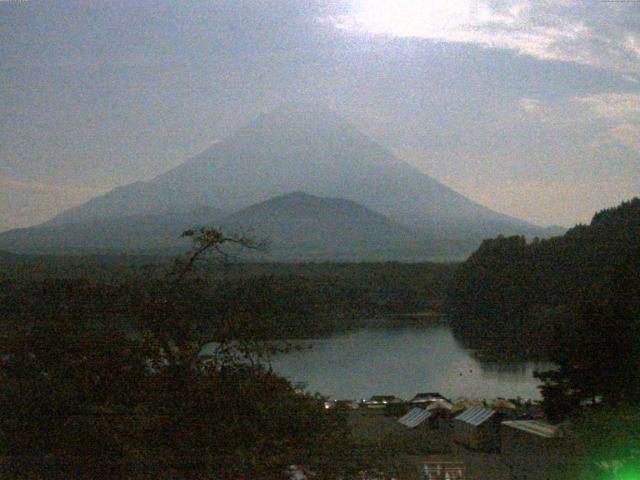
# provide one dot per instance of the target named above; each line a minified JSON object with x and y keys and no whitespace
{"x":211,"y":239}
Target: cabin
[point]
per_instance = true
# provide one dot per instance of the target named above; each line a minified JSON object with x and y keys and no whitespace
{"x":381,"y":401}
{"x":415,"y":417}
{"x":477,"y":428}
{"x":441,"y":413}
{"x":433,"y":416}
{"x":443,"y":469}
{"x":427,"y":397}
{"x":530,"y":448}
{"x":502,"y":405}
{"x":348,"y":404}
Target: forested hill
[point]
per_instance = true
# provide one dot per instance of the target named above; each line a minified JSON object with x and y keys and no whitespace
{"x":285,"y":300}
{"x":514,"y":297}
{"x":6,"y":255}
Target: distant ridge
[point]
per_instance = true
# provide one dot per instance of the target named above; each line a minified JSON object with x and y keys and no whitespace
{"x":292,"y":149}
{"x":540,"y":286}
{"x":131,"y":234}
{"x":307,"y":227}
{"x":298,"y":226}
{"x":4,"y":256}
{"x":139,"y":198}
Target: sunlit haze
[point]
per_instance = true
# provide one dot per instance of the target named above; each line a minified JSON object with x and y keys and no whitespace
{"x":530,"y":108}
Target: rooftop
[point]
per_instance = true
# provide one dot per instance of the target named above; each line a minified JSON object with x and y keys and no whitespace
{"x":385,"y":398}
{"x":475,"y":416}
{"x":534,"y":427}
{"x":415,"y":417}
{"x":428,"y":396}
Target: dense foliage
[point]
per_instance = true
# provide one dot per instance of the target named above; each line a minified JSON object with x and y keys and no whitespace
{"x":83,"y":395}
{"x":572,"y":299}
{"x":602,"y":444}
{"x":514,"y":298}
{"x":290,"y":300}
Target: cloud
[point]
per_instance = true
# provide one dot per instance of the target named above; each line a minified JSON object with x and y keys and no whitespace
{"x":562,"y":201}
{"x":628,"y":135}
{"x":105,"y":93}
{"x":601,"y":111}
{"x":621,"y":112}
{"x":621,"y":106}
{"x":601,"y":34}
{"x":613,"y":117}
{"x":531,"y":105}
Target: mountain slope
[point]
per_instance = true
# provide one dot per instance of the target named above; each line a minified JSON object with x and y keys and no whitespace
{"x":7,"y":256}
{"x":301,"y":226}
{"x":130,"y":234}
{"x":511,"y":296}
{"x":297,"y":226}
{"x":302,"y":148}
{"x":293,"y":149}
{"x":139,"y":198}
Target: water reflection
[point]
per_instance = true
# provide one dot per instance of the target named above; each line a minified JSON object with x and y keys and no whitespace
{"x":403,"y":361}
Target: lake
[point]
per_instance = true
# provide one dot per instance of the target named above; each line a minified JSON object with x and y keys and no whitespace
{"x":403,"y":361}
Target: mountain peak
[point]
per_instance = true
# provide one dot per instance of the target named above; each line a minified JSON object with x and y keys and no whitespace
{"x":301,"y":147}
{"x":302,"y":108}
{"x":302,"y":116}
{"x":308,"y":202}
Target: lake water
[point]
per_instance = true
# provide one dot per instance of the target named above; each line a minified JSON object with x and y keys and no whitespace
{"x":402,"y":362}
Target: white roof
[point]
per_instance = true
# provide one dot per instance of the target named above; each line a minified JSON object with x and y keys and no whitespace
{"x":442,"y":404}
{"x":427,"y":397}
{"x":475,"y":416}
{"x":414,"y":417}
{"x":534,"y":427}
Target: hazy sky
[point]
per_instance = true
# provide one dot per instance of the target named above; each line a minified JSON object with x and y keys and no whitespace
{"x":529,"y":107}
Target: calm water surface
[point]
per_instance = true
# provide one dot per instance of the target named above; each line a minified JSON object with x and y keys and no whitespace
{"x":402,"y":362}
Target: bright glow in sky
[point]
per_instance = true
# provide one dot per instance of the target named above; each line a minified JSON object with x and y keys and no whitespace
{"x":548,"y":30}
{"x":419,"y":18}
{"x":531,"y":107}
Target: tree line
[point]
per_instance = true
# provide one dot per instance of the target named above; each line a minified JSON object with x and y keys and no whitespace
{"x":109,"y":379}
{"x":290,"y":300}
{"x":573,"y":300}
{"x":518,"y":298}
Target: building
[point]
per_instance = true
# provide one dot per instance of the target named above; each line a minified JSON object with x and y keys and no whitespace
{"x":415,"y":417}
{"x":477,"y":428}
{"x":427,"y":397}
{"x":531,"y":449}
{"x":383,"y":400}
{"x":350,"y":404}
{"x":434,"y":416}
{"x":441,"y":413}
{"x":440,"y":405}
{"x":443,"y":470}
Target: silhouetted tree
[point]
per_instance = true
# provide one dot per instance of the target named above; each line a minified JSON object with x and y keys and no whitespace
{"x":598,"y":349}
{"x":511,"y":298}
{"x":81,"y":397}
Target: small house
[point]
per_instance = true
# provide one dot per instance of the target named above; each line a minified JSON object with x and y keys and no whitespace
{"x":477,"y":428}
{"x":530,"y":448}
{"x":415,"y":417}
{"x":440,"y":405}
{"x":348,"y":404}
{"x":385,"y":399}
{"x":381,"y":401}
{"x":462,"y":404}
{"x":441,"y":413}
{"x":443,"y":469}
{"x":505,"y":406}
{"x":426,"y":398}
